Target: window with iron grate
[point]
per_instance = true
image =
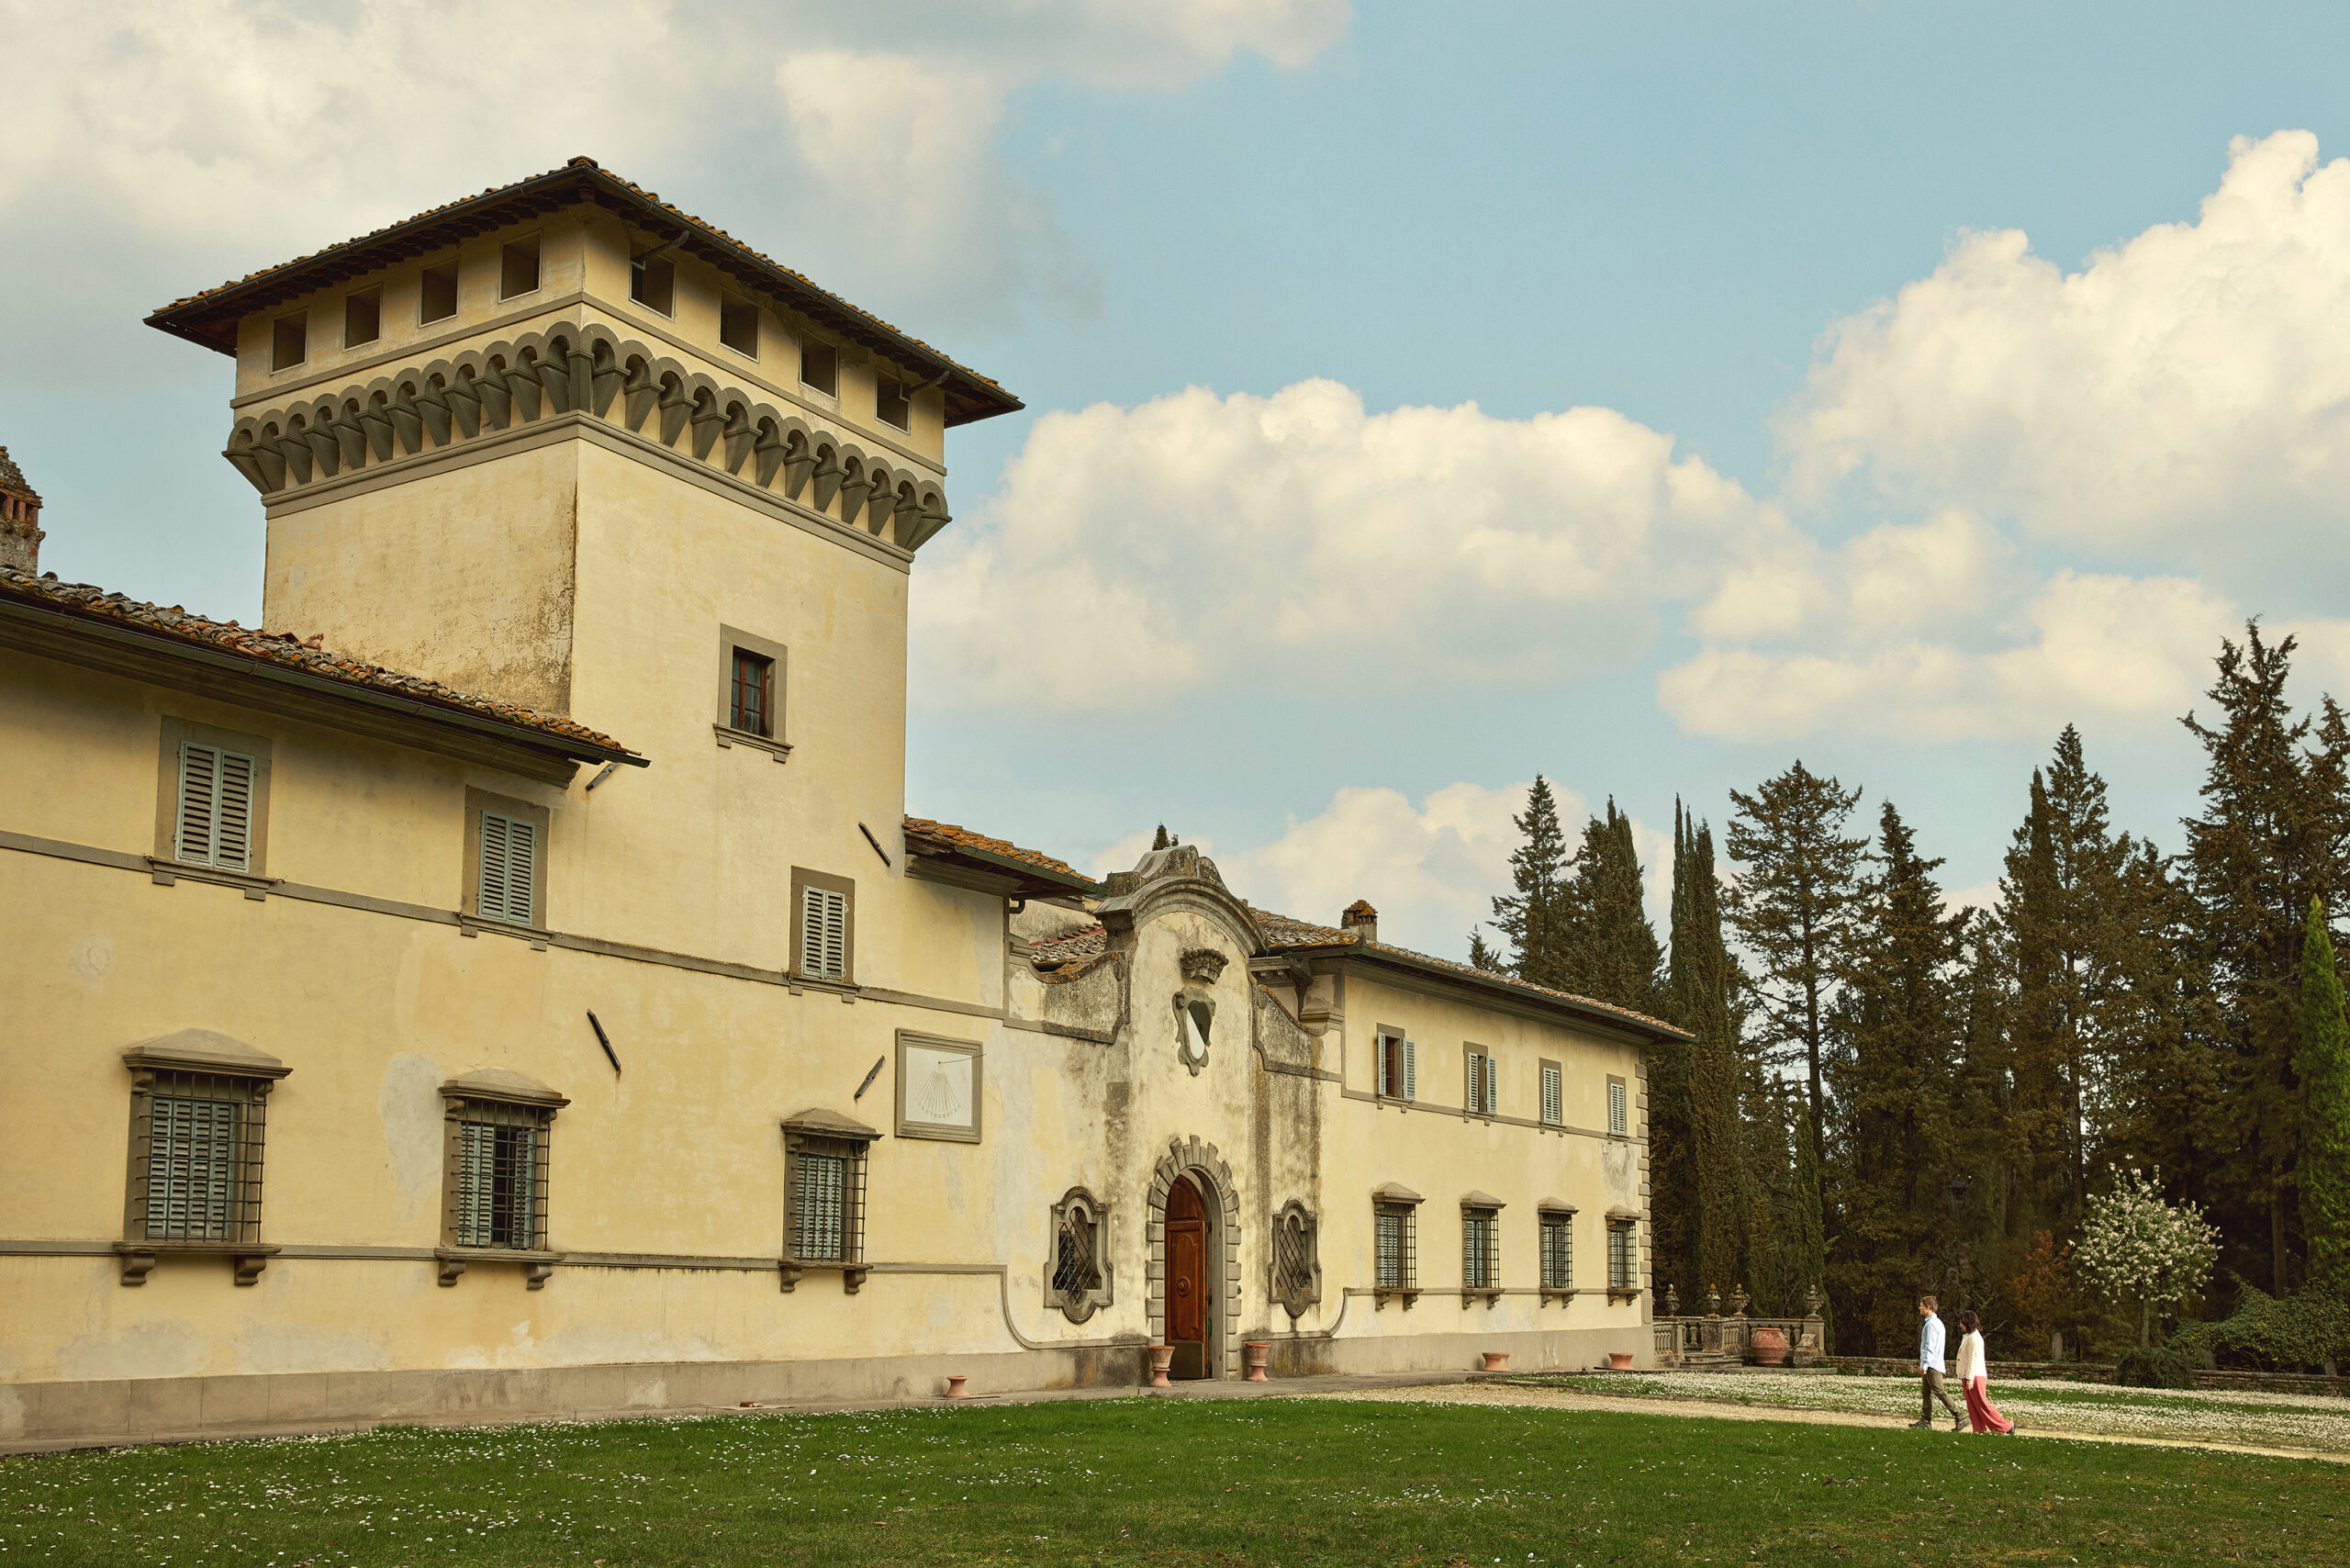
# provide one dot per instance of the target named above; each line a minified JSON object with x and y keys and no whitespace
{"x":826,"y":1219}
{"x":1395,"y":1266}
{"x":1623,"y":1255}
{"x":1297,"y":1267}
{"x":1480,"y":1260}
{"x":498,"y":1175}
{"x":196,"y":1157}
{"x":1078,"y":1281}
{"x":1558,"y":1250}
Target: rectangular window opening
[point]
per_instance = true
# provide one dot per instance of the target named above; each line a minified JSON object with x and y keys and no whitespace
{"x":752,"y":703}
{"x":823,"y":933}
{"x":437,"y":299}
{"x":738,"y":327}
{"x":1558,"y":1253}
{"x":290,"y":342}
{"x":518,"y":268}
{"x":1619,"y":1113}
{"x":499,"y":1192}
{"x":216,"y":808}
{"x":891,"y":403}
{"x":827,"y":1218}
{"x":653,"y":283}
{"x":363,"y":318}
{"x":1553,"y":1095}
{"x":819,"y":367}
{"x":1391,"y":1229}
{"x":1480,"y":1249}
{"x":1623,"y":1255}
{"x":203,"y":1158}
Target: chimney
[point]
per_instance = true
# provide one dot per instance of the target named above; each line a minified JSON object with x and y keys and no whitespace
{"x":20,"y":533}
{"x":1362,"y":920}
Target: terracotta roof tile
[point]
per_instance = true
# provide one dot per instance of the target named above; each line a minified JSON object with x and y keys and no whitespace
{"x":1282,"y":931}
{"x":84,"y":602}
{"x":947,"y":836}
{"x":1069,"y":947}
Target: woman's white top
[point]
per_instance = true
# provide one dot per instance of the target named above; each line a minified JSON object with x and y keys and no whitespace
{"x":1971,"y":1363}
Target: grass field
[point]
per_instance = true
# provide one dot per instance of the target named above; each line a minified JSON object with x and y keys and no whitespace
{"x":1168,"y":1482}
{"x":2316,"y":1421}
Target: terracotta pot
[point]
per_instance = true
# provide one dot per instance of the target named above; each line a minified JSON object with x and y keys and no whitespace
{"x":1161,"y":1358}
{"x":1768,"y":1345}
{"x":1256,"y":1354}
{"x":1619,"y":1361}
{"x":1496,"y":1360}
{"x":955,"y":1386}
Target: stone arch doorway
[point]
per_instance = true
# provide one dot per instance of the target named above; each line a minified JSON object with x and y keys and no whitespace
{"x":1194,"y":1253}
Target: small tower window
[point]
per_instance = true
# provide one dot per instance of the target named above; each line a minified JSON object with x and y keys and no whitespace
{"x":819,"y":367}
{"x":738,"y":327}
{"x":519,"y":268}
{"x":290,"y":345}
{"x":653,"y":283}
{"x":891,"y":402}
{"x":363,"y":318}
{"x":754,"y":694}
{"x":440,"y":296}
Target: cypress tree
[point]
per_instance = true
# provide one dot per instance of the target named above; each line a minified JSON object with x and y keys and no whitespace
{"x":1806,"y":1243}
{"x":2323,"y":1065}
{"x":1534,"y":918}
{"x":2272,"y":835}
{"x":1481,"y":953}
{"x":1792,"y":907}
{"x":1699,"y":984}
{"x":1611,"y":953}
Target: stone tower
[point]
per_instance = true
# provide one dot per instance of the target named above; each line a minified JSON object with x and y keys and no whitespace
{"x":20,"y":533}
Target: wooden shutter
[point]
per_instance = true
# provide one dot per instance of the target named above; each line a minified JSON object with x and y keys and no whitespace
{"x":1618,"y":1120}
{"x":191,"y":1169}
{"x":1492,"y":1088}
{"x":216,"y":807}
{"x":1476,"y":1096}
{"x":509,"y":856}
{"x":823,"y":933}
{"x":1552,"y":1112}
{"x":1411,"y":1072}
{"x":1379,"y":1057}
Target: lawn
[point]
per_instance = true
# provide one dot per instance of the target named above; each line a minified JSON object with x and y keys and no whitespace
{"x":1168,"y":1482}
{"x":2274,"y":1421}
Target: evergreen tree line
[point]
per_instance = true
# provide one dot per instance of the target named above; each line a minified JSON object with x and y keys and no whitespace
{"x":1882,"y":1096}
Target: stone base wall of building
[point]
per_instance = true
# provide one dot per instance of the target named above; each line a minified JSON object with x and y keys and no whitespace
{"x":102,"y":1412}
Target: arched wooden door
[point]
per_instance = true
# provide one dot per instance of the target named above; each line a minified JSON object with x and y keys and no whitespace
{"x":1190,"y":1317}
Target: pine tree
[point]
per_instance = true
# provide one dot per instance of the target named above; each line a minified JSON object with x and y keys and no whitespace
{"x":1794,"y":908}
{"x":2272,"y":837}
{"x":1534,"y":918}
{"x":1898,"y":1021}
{"x":1611,"y":953}
{"x":1481,"y":952}
{"x":2322,"y":1064}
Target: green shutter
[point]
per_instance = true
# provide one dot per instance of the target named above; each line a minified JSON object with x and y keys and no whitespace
{"x":216,"y":808}
{"x":509,"y":860}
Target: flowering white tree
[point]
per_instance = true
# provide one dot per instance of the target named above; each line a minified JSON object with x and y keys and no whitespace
{"x":2136,"y":1247}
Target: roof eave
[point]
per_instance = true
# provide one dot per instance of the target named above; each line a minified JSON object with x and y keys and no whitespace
{"x":1397,"y":958}
{"x":1034,"y":879}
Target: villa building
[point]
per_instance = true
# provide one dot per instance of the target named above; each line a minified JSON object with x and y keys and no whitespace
{"x":511,"y":982}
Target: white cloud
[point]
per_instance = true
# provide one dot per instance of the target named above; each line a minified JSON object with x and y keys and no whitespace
{"x":171,"y":143}
{"x":1196,"y":540}
{"x":2190,"y":387}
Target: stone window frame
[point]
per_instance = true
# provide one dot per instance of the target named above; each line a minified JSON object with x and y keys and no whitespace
{"x":730,"y":640}
{"x":944,"y":1132}
{"x":1552,"y":1216}
{"x":1481,"y":1080}
{"x":497,"y":1095}
{"x":1080,"y":1210}
{"x":804,"y":877}
{"x":1405,"y":1064}
{"x":1299,"y":1259}
{"x":1393,"y":1200}
{"x":176,"y":734}
{"x":469,"y":913}
{"x":820,"y":1131}
{"x":1619,"y":1099}
{"x":213,"y":1067}
{"x":1481,"y":1212}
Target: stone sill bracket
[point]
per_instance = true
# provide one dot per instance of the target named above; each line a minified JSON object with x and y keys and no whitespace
{"x":537,"y":1267}
{"x":779,"y":750}
{"x":792,"y":1269}
{"x":1490,"y":1296}
{"x":1380,"y":1298}
{"x":140,"y":1257}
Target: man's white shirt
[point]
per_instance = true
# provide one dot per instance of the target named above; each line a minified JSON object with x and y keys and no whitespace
{"x":1929,"y":1344}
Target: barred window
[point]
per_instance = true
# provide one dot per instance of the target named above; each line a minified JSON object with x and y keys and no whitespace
{"x":1297,"y":1270}
{"x":198,"y":1159}
{"x":1558,"y":1251}
{"x":826,"y":1223}
{"x":1078,"y":1277}
{"x":497,"y":1192}
{"x":1623,"y":1255}
{"x":1481,"y":1265}
{"x":1391,"y":1226}
{"x":1553,"y":1095}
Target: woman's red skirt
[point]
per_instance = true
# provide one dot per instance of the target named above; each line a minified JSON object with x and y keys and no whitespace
{"x":1985,"y":1416}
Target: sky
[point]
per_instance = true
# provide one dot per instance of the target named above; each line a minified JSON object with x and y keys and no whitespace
{"x":1418,"y":398}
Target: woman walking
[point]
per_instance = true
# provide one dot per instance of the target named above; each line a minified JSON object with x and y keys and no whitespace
{"x":1974,"y":1378}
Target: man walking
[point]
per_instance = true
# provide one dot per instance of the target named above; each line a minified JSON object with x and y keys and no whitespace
{"x":1930,"y":1367}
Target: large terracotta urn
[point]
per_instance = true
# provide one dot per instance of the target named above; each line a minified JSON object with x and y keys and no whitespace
{"x":1496,"y":1360}
{"x":1768,"y":1345}
{"x":1163,"y":1357}
{"x":1255,"y":1352}
{"x":1619,"y":1361}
